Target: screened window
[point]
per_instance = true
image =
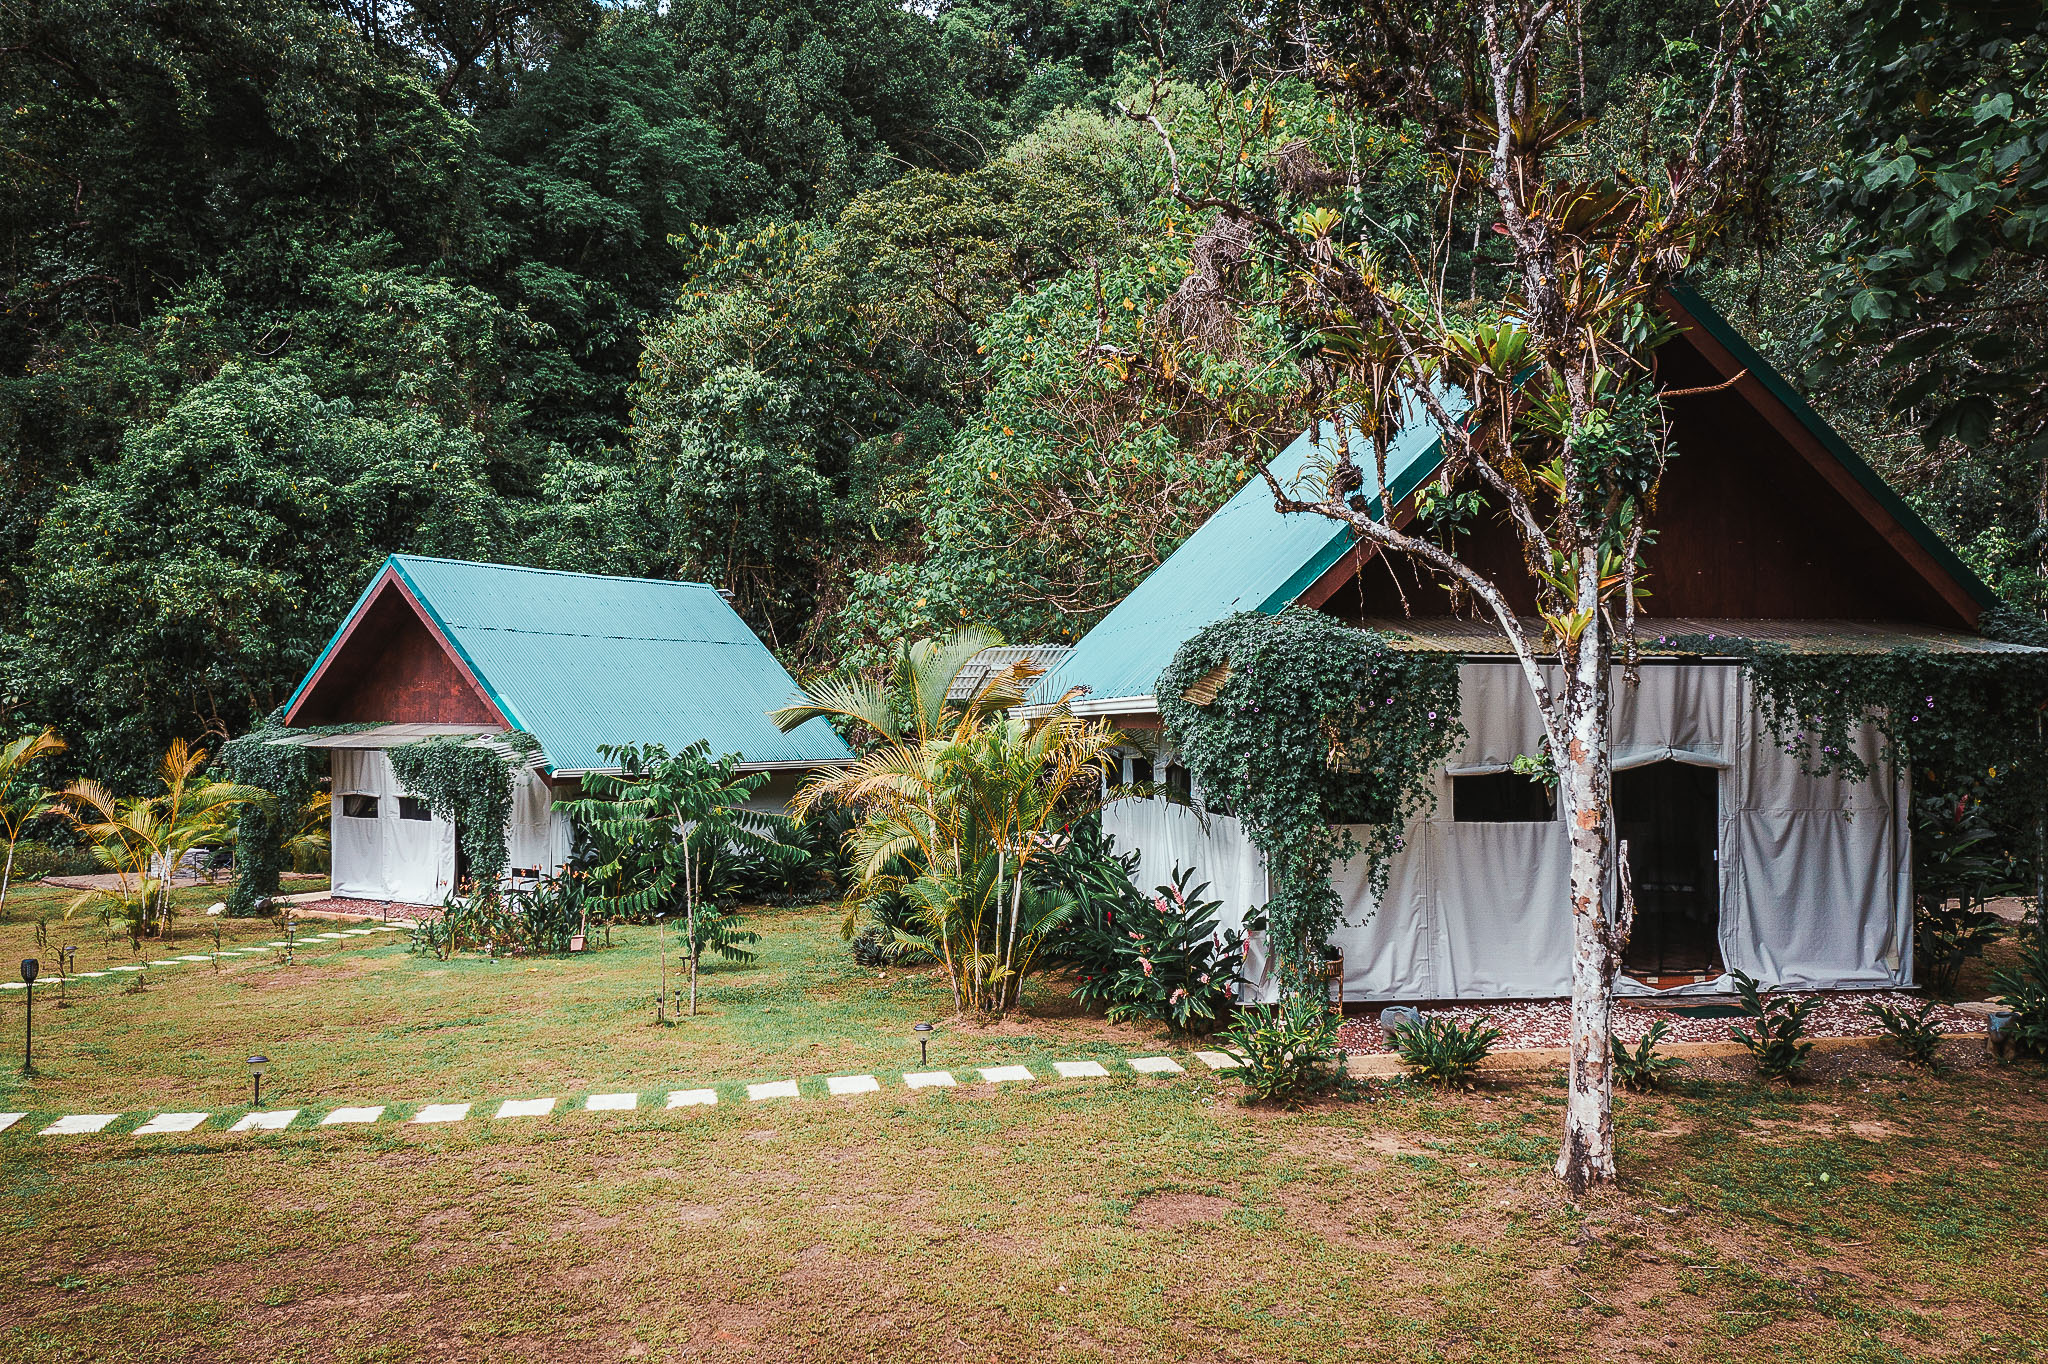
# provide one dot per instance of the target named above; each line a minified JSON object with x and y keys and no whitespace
{"x":1501,"y":798}
{"x":410,"y":807}
{"x":359,"y":807}
{"x":1178,"y":784}
{"x":1141,"y":771}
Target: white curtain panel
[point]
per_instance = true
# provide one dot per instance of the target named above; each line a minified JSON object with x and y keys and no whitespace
{"x":1815,"y":873}
{"x":386,"y":858}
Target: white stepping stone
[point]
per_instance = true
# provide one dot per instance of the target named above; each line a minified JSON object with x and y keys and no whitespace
{"x":171,"y":961}
{"x":90,"y":975}
{"x":601,"y":1103}
{"x":347,"y":1115}
{"x":359,"y":932}
{"x":997,"y":1075}
{"x":171,"y":1122}
{"x":691,"y":1098}
{"x":266,"y":1122}
{"x":327,"y":935}
{"x":8,"y":1120}
{"x":852,"y":1084}
{"x":525,"y":1108}
{"x":126,"y":968}
{"x":1081,"y":1070}
{"x":13,"y":985}
{"x":390,"y":928}
{"x":279,"y":943}
{"x":930,"y":1079}
{"x":77,"y":1123}
{"x":196,"y":958}
{"x":1218,"y":1060}
{"x":442,"y":1113}
{"x":774,"y":1089}
{"x":1155,"y":1065}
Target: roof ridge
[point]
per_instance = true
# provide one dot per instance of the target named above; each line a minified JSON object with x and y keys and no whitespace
{"x":549,"y":572}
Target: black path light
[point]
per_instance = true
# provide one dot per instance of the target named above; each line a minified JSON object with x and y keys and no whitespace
{"x":256,"y":1065}
{"x":30,"y":968}
{"x":923,"y":1031}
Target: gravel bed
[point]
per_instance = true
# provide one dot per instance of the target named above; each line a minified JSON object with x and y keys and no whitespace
{"x":1547,"y":1023}
{"x":368,"y":909}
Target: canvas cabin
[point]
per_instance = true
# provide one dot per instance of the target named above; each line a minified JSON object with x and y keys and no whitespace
{"x":1771,"y":528}
{"x":574,"y":660}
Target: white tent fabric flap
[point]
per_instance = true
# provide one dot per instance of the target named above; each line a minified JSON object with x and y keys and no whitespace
{"x":1814,"y":873}
{"x":382,"y":855}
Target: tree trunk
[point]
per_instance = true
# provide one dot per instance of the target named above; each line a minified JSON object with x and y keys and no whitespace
{"x":1013,"y":984}
{"x":690,"y":912}
{"x":1586,"y":782}
{"x":7,"y":876}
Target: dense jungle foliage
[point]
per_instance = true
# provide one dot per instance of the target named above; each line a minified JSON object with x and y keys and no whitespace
{"x":811,"y":301}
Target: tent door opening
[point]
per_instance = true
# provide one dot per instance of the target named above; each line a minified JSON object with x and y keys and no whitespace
{"x":1669,"y":813}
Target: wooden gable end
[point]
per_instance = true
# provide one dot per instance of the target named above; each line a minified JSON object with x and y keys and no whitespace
{"x":392,"y":665}
{"x":1756,"y":520}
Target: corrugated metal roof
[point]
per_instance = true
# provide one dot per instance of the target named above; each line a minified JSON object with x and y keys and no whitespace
{"x":578,"y":660}
{"x":1247,"y":557}
{"x":1460,"y":636}
{"x":975,"y":673}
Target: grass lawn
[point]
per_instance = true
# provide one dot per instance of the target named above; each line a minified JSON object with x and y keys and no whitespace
{"x":1872,"y":1214}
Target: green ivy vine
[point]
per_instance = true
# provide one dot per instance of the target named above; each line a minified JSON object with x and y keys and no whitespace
{"x":1965,"y":726}
{"x":1303,"y":725}
{"x":289,"y":774}
{"x":470,"y":784}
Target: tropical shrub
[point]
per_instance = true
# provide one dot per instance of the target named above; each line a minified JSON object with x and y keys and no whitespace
{"x":1442,"y":1051}
{"x":1775,"y":1034}
{"x":958,"y":803}
{"x":665,"y":829}
{"x":2025,"y":987}
{"x":1946,"y":934}
{"x":1289,"y":1051}
{"x":547,"y":914}
{"x":22,"y":802}
{"x":144,"y":839}
{"x":1167,"y":959}
{"x":1642,"y":1067}
{"x":1913,"y":1031}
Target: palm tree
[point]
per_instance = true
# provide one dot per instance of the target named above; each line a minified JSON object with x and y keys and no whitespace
{"x":143,"y":839}
{"x":957,"y":799}
{"x":20,"y":802}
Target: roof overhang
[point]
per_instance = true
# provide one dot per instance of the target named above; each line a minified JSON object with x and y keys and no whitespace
{"x":384,"y":736}
{"x":1482,"y":639}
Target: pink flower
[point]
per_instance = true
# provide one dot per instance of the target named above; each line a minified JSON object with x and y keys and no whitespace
{"x":1178,"y":995}
{"x":1179,"y":898}
{"x":1205,"y":978}
{"x":1136,"y":938}
{"x":1159,"y":901}
{"x":1146,"y":964}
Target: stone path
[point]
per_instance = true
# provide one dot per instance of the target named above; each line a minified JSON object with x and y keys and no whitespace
{"x":837,"y":1086}
{"x":200,"y":959}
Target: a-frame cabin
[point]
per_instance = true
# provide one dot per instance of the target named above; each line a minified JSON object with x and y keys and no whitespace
{"x":441,"y":647}
{"x":1771,"y":528}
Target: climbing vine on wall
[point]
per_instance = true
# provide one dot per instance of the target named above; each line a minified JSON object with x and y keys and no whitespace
{"x":471,"y":785}
{"x":1303,"y":725}
{"x":289,"y":774}
{"x":1966,"y":726}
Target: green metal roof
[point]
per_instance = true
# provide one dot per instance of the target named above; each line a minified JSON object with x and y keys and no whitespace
{"x":1250,"y":557}
{"x":1246,"y":557}
{"x":578,"y":660}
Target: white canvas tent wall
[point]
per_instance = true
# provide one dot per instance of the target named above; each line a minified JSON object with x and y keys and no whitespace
{"x":386,"y":856}
{"x":1815,"y":874}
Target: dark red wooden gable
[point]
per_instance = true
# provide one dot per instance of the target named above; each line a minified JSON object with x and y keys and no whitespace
{"x":391,"y":665}
{"x":1756,"y":520}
